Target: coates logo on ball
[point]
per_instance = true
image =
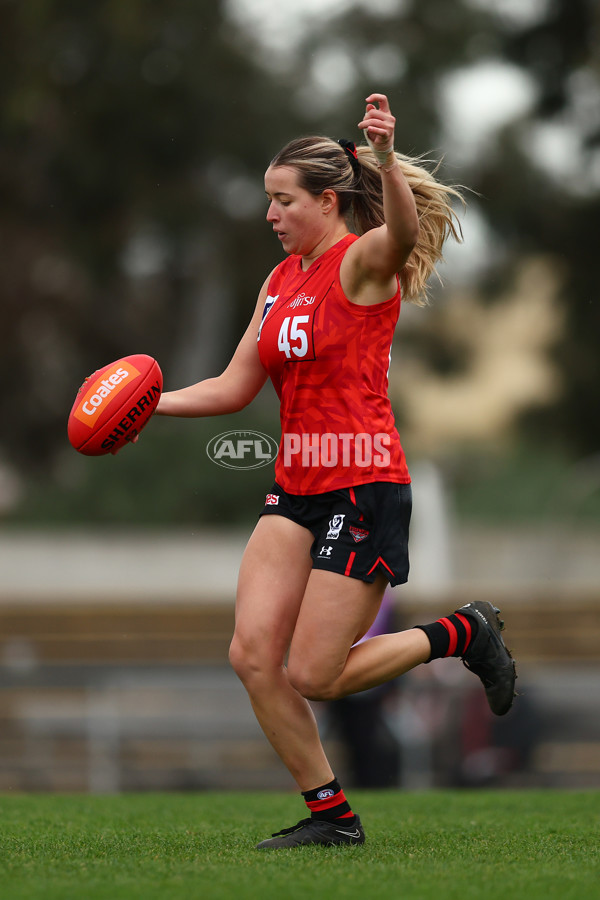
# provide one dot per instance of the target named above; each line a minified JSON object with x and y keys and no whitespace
{"x":90,"y":406}
{"x":242,"y":449}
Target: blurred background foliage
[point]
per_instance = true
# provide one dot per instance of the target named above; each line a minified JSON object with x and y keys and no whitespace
{"x":134,"y":141}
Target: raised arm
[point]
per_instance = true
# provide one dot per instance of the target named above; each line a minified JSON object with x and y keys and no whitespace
{"x":229,"y":392}
{"x":371,"y":264}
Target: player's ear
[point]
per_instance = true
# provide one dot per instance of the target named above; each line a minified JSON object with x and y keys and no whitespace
{"x":329,"y":201}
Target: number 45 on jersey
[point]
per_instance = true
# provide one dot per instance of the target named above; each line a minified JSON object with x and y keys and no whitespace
{"x":293,"y":339}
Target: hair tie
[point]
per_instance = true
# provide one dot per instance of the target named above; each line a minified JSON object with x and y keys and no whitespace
{"x":350,"y":149}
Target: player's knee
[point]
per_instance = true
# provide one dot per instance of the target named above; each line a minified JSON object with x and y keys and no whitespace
{"x":241,"y":659}
{"x":310,"y":683}
{"x":248,"y":661}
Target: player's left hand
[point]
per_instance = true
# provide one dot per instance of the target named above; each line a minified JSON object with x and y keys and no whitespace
{"x":378,"y":123}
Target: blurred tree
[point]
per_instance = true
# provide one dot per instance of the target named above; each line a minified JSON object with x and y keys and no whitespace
{"x":134,"y":141}
{"x":544,"y":194}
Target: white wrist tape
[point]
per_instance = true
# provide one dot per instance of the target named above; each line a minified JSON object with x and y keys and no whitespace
{"x":381,"y":155}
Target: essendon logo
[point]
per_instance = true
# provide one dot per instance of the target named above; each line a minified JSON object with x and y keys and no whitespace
{"x":272,"y":500}
{"x":113,"y":381}
{"x":359,"y":534}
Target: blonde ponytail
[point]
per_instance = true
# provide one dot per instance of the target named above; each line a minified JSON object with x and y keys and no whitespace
{"x":322,"y":163}
{"x":437,"y":218}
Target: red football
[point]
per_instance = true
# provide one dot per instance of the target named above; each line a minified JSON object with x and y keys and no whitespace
{"x":113,"y":405}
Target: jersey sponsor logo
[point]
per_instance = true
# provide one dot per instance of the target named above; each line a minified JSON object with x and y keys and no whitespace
{"x":323,"y":795}
{"x":359,"y":534}
{"x":301,"y":300}
{"x":272,"y":500}
{"x":242,"y":449}
{"x":335,"y":526}
{"x":326,"y":552}
{"x":266,"y":308}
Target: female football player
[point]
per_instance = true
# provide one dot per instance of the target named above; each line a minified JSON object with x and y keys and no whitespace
{"x":361,"y":227}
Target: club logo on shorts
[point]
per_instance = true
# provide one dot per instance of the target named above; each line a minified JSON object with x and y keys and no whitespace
{"x":272,"y":500}
{"x":326,"y":551}
{"x":335,"y":526}
{"x":359,"y":534}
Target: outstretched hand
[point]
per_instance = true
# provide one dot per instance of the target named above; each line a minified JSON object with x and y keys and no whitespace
{"x":378,"y":124}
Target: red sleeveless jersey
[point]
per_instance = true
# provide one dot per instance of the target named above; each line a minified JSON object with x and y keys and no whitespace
{"x":328,"y":360}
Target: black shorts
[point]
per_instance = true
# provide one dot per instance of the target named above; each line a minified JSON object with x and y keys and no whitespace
{"x":358,"y":531}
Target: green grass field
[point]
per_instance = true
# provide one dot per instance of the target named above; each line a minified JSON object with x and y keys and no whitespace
{"x":441,"y":845}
